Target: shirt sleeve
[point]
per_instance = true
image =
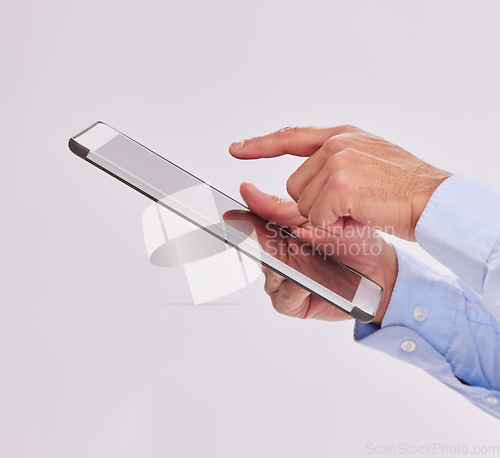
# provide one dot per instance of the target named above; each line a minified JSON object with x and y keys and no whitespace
{"x":437,"y":322}
{"x":460,"y":227}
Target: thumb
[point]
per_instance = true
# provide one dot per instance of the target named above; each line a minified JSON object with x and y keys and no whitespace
{"x":271,"y":208}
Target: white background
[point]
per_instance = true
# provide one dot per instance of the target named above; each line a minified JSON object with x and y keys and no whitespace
{"x":93,"y":362}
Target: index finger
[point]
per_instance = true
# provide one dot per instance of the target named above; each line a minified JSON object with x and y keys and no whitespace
{"x":297,"y":141}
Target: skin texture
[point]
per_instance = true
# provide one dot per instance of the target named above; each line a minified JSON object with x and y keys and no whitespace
{"x":351,"y":185}
{"x":350,"y":172}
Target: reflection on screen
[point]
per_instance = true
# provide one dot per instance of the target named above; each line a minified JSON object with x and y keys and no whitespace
{"x":228,"y":220}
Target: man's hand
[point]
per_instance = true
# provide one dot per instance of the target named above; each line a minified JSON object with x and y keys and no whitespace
{"x":362,"y":249}
{"x":350,"y":178}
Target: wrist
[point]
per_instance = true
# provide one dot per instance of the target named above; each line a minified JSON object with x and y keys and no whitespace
{"x":387,"y":279}
{"x":422,"y":193}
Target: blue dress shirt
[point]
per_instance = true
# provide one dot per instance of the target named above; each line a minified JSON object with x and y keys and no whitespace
{"x":449,"y":324}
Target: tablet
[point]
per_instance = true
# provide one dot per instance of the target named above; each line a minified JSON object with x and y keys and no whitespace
{"x":228,"y":220}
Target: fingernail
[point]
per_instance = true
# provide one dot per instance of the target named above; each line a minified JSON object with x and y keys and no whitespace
{"x":237,"y":145}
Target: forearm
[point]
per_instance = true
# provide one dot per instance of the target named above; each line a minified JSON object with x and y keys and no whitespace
{"x":386,"y":278}
{"x":436,"y":322}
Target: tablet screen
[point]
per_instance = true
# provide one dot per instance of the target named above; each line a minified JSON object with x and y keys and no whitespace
{"x":219,"y":215}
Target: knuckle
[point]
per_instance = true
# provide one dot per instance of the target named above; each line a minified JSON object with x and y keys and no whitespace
{"x":315,"y":218}
{"x":331,"y":144}
{"x":292,"y":187}
{"x":343,"y":179}
{"x":339,"y":142}
{"x":340,"y":160}
{"x":343,"y":158}
{"x":334,"y":163}
{"x":303,"y":208}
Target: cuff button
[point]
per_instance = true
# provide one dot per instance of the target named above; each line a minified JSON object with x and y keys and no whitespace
{"x":492,"y":400}
{"x":408,"y":345}
{"x":419,"y":313}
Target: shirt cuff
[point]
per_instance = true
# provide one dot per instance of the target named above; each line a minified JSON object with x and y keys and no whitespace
{"x":419,"y":323}
{"x":424,"y":303}
{"x":460,"y":226}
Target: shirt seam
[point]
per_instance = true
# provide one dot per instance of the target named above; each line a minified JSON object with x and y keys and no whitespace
{"x":472,"y":320}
